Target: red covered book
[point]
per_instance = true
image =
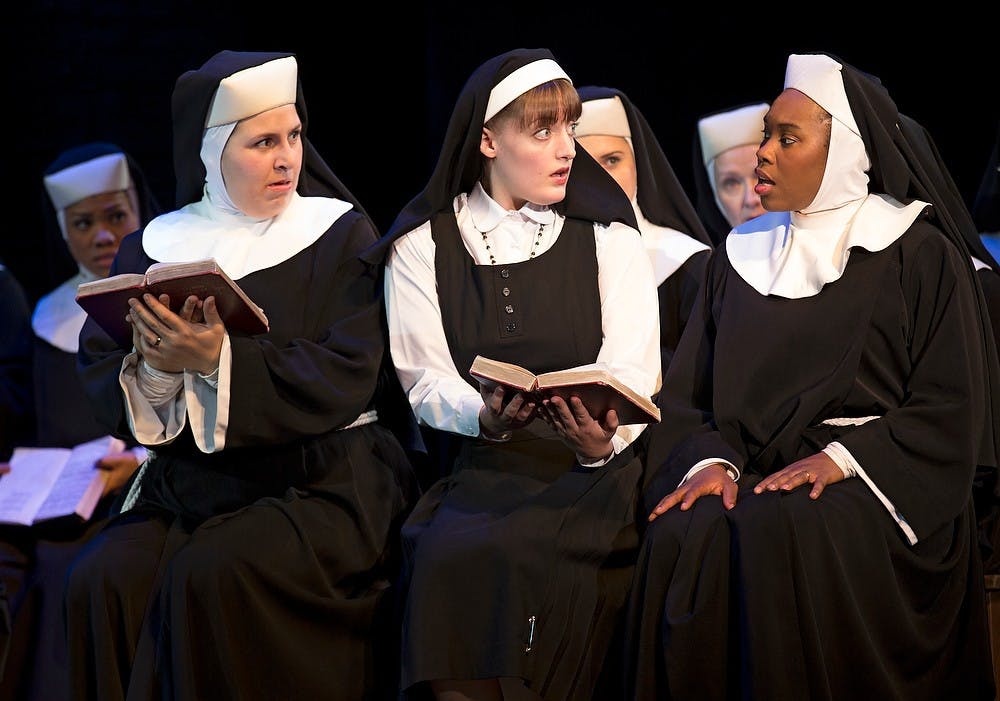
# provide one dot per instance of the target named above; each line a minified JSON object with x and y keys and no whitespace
{"x":106,"y":300}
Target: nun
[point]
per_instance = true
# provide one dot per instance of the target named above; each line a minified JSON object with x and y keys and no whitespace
{"x":613,"y":130}
{"x":724,"y":162}
{"x":95,"y":194}
{"x":255,"y":552}
{"x":523,"y":249}
{"x":812,"y":532}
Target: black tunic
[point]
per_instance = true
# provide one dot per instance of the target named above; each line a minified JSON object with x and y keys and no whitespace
{"x":34,"y":560}
{"x":519,"y":561}
{"x":267,"y":565}
{"x":15,"y":366}
{"x":986,"y":490}
{"x":784,"y":597}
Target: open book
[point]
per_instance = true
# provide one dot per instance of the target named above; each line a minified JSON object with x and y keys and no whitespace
{"x":593,"y":384}
{"x":48,"y":483}
{"x":106,"y":300}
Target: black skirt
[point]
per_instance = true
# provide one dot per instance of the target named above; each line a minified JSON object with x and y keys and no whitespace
{"x":519,"y":568}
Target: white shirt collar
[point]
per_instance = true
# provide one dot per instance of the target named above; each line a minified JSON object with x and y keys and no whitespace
{"x":487,"y":213}
{"x":794,"y":255}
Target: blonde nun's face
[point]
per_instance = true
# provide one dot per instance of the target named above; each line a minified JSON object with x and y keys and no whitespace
{"x":614,"y":153}
{"x":530,"y":165}
{"x":792,"y":156}
{"x":733,"y":171}
{"x":95,"y":227}
{"x":262,"y":161}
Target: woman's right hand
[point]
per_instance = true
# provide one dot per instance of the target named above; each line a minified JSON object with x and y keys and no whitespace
{"x":711,"y":479}
{"x":499,"y":415}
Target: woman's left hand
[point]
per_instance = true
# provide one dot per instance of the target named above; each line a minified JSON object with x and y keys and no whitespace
{"x":819,"y":470}
{"x":587,"y":436}
{"x":120,"y":467}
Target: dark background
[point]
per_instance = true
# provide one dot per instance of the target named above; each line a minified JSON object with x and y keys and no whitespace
{"x":380,"y":84}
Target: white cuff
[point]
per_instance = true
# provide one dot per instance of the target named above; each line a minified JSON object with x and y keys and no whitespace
{"x":211,"y":379}
{"x":731,"y":469}
{"x":157,"y":386}
{"x":842,"y":456}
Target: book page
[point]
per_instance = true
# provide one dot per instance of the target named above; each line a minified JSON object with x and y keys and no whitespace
{"x":80,"y":481}
{"x":122,"y":281}
{"x":33,"y":471}
{"x":169,"y":271}
{"x":597,"y":389}
{"x":580,"y":373}
{"x":504,"y":373}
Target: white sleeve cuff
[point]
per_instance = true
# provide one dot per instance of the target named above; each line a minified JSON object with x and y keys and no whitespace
{"x":208,"y":402}
{"x":158,"y":386}
{"x":842,"y":456}
{"x":731,"y":469}
{"x":151,"y":424}
{"x":618,"y":444}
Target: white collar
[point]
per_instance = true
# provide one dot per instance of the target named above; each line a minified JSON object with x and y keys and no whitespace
{"x":668,"y":249}
{"x":57,"y":318}
{"x":794,"y":255}
{"x":240,"y":244}
{"x":487,"y":213}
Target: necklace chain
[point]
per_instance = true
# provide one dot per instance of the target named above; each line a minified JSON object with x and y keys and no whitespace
{"x":534,"y":248}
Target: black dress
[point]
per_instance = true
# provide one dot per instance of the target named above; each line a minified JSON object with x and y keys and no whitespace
{"x":15,"y":366}
{"x":519,"y":561}
{"x":34,"y":559}
{"x":271,"y":561}
{"x":784,"y":597}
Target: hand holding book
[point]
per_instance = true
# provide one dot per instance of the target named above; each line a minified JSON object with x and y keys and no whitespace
{"x":593,"y":384}
{"x":107,"y":300}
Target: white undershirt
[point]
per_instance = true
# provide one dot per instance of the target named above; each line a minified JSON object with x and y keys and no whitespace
{"x":441,"y":397}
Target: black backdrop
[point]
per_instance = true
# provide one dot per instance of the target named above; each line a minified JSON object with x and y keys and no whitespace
{"x":380,"y":83}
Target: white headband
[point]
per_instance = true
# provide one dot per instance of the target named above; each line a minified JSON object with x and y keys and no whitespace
{"x":254,"y":90}
{"x":726,"y":130}
{"x":108,"y":173}
{"x":605,"y":116}
{"x":819,"y":77}
{"x":521,"y":81}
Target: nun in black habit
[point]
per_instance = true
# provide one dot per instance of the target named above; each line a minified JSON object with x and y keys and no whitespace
{"x":255,"y":549}
{"x":724,"y":161}
{"x":813,"y":534}
{"x":519,"y":558}
{"x":64,"y":416}
{"x":95,"y":194}
{"x":672,"y":234}
{"x":986,"y":488}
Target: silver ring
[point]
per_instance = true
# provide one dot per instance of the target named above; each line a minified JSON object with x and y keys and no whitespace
{"x":157,"y":342}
